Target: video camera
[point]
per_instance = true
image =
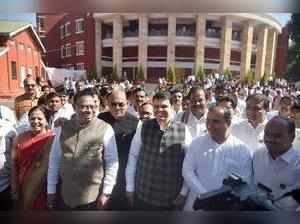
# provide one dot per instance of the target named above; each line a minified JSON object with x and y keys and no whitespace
{"x":237,"y":195}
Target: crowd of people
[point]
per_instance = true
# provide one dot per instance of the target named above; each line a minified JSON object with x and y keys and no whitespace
{"x":120,"y":146}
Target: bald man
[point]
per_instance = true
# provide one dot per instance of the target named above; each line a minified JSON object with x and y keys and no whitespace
{"x":277,"y":164}
{"x":124,"y":125}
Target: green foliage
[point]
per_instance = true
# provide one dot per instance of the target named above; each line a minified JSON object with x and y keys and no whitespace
{"x":228,"y":74}
{"x":264,"y":79}
{"x":250,"y":78}
{"x":171,"y":74}
{"x":140,"y":73}
{"x":293,"y":68}
{"x":92,"y":74}
{"x":114,"y":74}
{"x":200,"y":74}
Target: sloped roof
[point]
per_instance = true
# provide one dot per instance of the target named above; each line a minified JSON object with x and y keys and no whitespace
{"x":10,"y":28}
{"x":3,"y":50}
{"x":7,"y":27}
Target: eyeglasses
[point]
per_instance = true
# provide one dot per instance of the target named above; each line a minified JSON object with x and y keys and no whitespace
{"x":118,"y":104}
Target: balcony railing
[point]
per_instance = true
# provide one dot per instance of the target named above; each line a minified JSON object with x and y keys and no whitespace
{"x":157,"y":58}
{"x":130,"y":59}
{"x":214,"y":33}
{"x":130,"y":33}
{"x":185,"y":33}
{"x":185,"y":59}
{"x":158,"y":32}
{"x":106,"y":58}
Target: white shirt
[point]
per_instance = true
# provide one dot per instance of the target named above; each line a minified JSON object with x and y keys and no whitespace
{"x":252,"y":137}
{"x":7,"y":114}
{"x":132,"y":111}
{"x":7,"y":134}
{"x":134,"y":155}
{"x":281,"y":175}
{"x":110,"y":159}
{"x":208,"y":163}
{"x":197,"y":127}
{"x":64,"y":112}
{"x":296,"y":143}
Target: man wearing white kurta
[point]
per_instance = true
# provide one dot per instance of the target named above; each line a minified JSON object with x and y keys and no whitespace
{"x":251,"y":130}
{"x":277,"y":164}
{"x":195,"y":117}
{"x":213,"y":157}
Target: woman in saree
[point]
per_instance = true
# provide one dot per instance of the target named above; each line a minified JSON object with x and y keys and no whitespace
{"x":30,"y":154}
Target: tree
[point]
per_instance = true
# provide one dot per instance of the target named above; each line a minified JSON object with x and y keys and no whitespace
{"x":92,"y":74}
{"x":114,"y":74}
{"x":293,"y":68}
{"x":227,"y":73}
{"x":200,"y":74}
{"x":264,"y":79}
{"x":140,"y":73}
{"x":171,"y":74}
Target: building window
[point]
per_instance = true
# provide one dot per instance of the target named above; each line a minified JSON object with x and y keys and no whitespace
{"x":12,"y":43}
{"x":14,"y":70}
{"x":29,"y":49}
{"x":36,"y":71}
{"x":79,"y":25}
{"x":68,"y":50}
{"x":80,"y":66}
{"x":62,"y":51}
{"x":29,"y":71}
{"x":68,"y":29}
{"x":62,"y":32}
{"x":79,"y":48}
{"x":21,"y":46}
{"x":41,"y":24}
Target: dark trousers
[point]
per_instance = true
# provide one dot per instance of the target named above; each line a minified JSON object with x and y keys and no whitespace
{"x":5,"y":200}
{"x":141,"y":205}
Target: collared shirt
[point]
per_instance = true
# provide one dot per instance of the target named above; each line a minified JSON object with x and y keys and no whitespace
{"x":134,"y":154}
{"x":7,"y":134}
{"x":64,"y":112}
{"x":110,"y":159}
{"x":197,"y":127}
{"x":24,"y":103}
{"x":280,"y":175}
{"x":208,"y":163}
{"x":252,"y":137}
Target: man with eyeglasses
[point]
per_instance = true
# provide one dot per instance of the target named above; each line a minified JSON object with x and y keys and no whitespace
{"x":124,"y":125}
{"x":84,"y":156}
{"x":29,"y":99}
{"x":146,"y":111}
{"x":153,"y":175}
{"x":195,"y":116}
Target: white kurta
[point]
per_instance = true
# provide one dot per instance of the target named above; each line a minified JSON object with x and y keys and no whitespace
{"x":208,"y":163}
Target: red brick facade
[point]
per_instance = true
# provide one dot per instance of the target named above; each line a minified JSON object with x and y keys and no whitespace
{"x":22,"y":56}
{"x":54,"y":42}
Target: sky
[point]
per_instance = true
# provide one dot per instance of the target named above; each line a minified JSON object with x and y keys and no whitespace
{"x":283,"y":18}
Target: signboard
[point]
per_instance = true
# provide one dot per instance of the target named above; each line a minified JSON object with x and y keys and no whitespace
{"x":58,"y":75}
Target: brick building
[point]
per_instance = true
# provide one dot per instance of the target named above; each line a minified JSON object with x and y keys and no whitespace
{"x":240,"y":42}
{"x":69,"y":40}
{"x":20,"y":54}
